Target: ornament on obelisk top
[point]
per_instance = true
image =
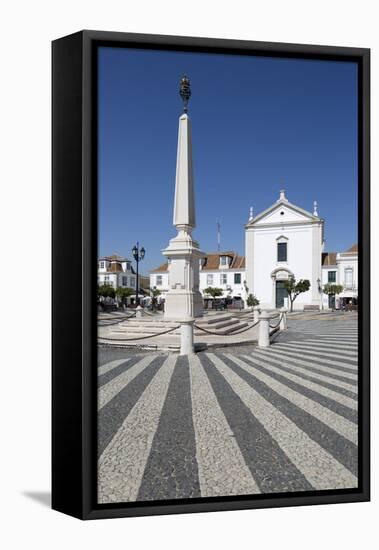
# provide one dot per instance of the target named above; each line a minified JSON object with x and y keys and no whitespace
{"x":183,"y":299}
{"x":185,"y":92}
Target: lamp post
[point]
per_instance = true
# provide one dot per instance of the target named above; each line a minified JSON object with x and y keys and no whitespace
{"x":138,"y":255}
{"x":320,"y":292}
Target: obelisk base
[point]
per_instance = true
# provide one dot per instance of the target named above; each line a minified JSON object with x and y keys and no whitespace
{"x":183,"y":303}
{"x":183,"y":299}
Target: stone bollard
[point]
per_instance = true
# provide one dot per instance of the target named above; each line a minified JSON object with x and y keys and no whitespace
{"x":264,"y":330}
{"x":283,"y":321}
{"x":186,"y":337}
{"x":139,"y":311}
{"x":255,"y":313}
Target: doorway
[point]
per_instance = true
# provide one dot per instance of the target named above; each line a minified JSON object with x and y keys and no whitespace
{"x":281,"y":293}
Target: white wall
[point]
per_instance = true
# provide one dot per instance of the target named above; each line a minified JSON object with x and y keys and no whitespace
{"x":236,"y":289}
{"x":26,"y":522}
{"x":154,"y":281}
{"x":109,"y":278}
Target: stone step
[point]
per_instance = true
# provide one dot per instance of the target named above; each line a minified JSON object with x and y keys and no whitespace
{"x":227,"y":323}
{"x":153,"y":322}
{"x":233,"y":328}
{"x":226,"y":328}
{"x":158,"y":326}
{"x":212,"y":320}
{"x":143,"y":330}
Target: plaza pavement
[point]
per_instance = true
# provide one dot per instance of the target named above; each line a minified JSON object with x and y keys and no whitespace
{"x":233,"y":421}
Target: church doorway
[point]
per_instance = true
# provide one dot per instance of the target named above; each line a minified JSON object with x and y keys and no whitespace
{"x":281,"y":294}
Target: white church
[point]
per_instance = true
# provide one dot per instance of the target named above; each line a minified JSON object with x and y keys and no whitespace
{"x":287,"y":241}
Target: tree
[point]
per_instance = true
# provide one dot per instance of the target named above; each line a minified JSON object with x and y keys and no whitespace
{"x":294,"y":288}
{"x":252,"y":300}
{"x":154,"y":293}
{"x":124,"y":293}
{"x":106,"y":291}
{"x":213,"y":291}
{"x":332,"y":289}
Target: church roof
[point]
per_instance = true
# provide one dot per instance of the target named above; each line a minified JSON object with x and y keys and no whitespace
{"x":284,"y":202}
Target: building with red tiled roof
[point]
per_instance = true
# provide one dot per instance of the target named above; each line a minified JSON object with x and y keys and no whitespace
{"x":225,"y":270}
{"x":341,"y":268}
{"x":328,"y":259}
{"x":118,"y":271}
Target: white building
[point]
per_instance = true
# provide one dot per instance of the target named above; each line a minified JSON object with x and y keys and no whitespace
{"x":341,"y":268}
{"x":116,"y":271}
{"x":287,"y":241}
{"x":225,"y":270}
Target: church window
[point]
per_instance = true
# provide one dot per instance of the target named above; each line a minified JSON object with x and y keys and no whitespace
{"x":282,"y":252}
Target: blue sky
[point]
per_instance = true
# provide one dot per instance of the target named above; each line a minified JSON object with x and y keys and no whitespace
{"x":259,"y":124}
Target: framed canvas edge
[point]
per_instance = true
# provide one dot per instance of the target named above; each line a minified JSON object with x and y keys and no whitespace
{"x":84,"y":500}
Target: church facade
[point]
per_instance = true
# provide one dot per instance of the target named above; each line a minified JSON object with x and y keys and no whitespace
{"x":281,"y":242}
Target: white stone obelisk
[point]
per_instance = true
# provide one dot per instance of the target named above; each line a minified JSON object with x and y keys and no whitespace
{"x":183,"y":299}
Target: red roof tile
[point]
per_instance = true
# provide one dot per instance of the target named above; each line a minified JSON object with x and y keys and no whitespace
{"x":212,"y":262}
{"x":329,"y":258}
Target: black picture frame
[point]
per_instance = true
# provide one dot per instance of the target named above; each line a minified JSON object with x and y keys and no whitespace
{"x":74,"y":205}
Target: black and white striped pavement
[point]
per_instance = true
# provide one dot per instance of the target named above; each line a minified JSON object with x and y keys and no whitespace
{"x":233,"y":421}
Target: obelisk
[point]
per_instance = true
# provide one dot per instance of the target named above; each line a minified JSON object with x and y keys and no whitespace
{"x":183,"y":299}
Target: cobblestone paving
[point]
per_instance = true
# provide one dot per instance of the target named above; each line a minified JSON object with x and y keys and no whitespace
{"x":233,"y":421}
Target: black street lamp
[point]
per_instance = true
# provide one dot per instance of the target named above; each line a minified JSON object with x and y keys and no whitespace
{"x":138,"y":255}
